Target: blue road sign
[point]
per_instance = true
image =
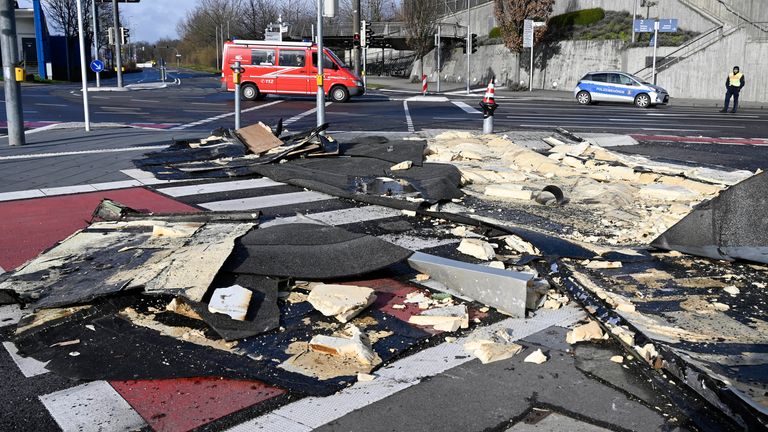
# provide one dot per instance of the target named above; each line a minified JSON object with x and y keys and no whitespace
{"x":667,"y":25}
{"x":97,"y":66}
{"x":643,"y":26}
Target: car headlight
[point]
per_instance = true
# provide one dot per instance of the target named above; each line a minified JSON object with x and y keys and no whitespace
{"x":359,"y":83}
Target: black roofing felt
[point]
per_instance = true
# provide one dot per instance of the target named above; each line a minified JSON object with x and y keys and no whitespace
{"x":311,"y":251}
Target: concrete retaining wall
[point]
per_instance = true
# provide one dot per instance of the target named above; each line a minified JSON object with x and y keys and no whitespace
{"x":487,"y":62}
{"x":700,"y":76}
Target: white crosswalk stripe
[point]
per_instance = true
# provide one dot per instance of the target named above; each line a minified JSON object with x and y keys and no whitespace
{"x":94,"y":406}
{"x":257,"y":203}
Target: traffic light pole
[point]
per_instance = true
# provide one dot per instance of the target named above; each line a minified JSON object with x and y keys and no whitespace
{"x":13,"y":110}
{"x":95,"y":15}
{"x":469,"y":42}
{"x":356,"y":30}
{"x":83,"y":72}
{"x":439,"y":46}
{"x":118,"y":57}
{"x":320,"y":55}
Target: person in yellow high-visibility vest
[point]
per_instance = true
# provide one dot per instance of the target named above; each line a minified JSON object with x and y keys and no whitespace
{"x":733,"y":85}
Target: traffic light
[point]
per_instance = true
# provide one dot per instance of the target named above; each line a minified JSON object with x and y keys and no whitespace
{"x":367,"y":36}
{"x":124,"y":35}
{"x":111,"y":35}
{"x":473,"y":42}
{"x":356,"y":40}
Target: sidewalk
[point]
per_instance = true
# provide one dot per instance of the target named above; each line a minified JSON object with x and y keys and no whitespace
{"x":459,"y":89}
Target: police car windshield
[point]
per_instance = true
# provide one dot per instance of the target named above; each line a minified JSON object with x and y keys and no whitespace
{"x":640,"y":80}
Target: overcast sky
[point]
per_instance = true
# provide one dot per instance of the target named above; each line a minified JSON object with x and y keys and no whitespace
{"x":150,"y":20}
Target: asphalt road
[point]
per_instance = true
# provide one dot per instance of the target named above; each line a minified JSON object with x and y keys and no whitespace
{"x":581,"y":383}
{"x":197,"y":103}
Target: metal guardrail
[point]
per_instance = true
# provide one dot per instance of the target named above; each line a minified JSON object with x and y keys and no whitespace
{"x":688,"y":49}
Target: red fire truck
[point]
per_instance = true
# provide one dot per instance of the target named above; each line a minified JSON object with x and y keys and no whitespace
{"x":272,"y":67}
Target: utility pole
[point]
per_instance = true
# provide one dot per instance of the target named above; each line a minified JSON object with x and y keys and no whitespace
{"x":83,"y":72}
{"x":356,"y":30}
{"x":95,"y":15}
{"x":14,"y":113}
{"x":118,"y":58}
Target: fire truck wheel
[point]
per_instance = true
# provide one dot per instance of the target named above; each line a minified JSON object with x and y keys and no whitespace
{"x":250,"y":92}
{"x":339,"y":94}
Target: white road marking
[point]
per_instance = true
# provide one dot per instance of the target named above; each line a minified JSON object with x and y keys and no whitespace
{"x":67,"y":190}
{"x":466,"y":107}
{"x":82,"y":152}
{"x":122,"y":112}
{"x":120,"y":108}
{"x":408,"y":119}
{"x":147,"y":178}
{"x":28,"y":366}
{"x":255,"y":203}
{"x":51,"y":105}
{"x":10,"y":314}
{"x":145,"y":100}
{"x":181,"y":191}
{"x":300,"y":116}
{"x":221,"y":116}
{"x":24,"y":194}
{"x":92,"y":407}
{"x":341,"y":217}
{"x":427,"y":99}
{"x":313,"y":412}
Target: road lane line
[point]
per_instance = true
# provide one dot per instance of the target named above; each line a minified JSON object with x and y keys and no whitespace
{"x":82,"y":152}
{"x":219,"y":117}
{"x":466,"y":107}
{"x":300,"y":116}
{"x":261,"y":202}
{"x":312,"y":412}
{"x":50,"y":104}
{"x":145,"y":100}
{"x":91,"y":407}
{"x":408,"y":118}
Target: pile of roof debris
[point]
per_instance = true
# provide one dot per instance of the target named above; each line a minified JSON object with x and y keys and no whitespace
{"x":311,"y":307}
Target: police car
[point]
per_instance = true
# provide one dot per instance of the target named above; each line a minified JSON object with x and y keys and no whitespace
{"x":612,"y":86}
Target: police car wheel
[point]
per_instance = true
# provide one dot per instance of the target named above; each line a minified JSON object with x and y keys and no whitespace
{"x":642,"y":100}
{"x":339,"y":94}
{"x":249,"y":92}
{"x":584,"y":98}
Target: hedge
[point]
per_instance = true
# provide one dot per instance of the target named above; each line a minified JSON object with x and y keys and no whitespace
{"x":581,"y":18}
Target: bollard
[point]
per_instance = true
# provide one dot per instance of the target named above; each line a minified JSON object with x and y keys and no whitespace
{"x":424,"y":84}
{"x":488,"y":104}
{"x":236,"y":75}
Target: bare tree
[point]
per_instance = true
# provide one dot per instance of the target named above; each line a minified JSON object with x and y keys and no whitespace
{"x":63,"y":16}
{"x":511,"y":15}
{"x":256,"y":16}
{"x":421,"y":18}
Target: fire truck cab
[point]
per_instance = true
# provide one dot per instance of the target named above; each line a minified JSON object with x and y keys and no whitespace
{"x":272,"y":67}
